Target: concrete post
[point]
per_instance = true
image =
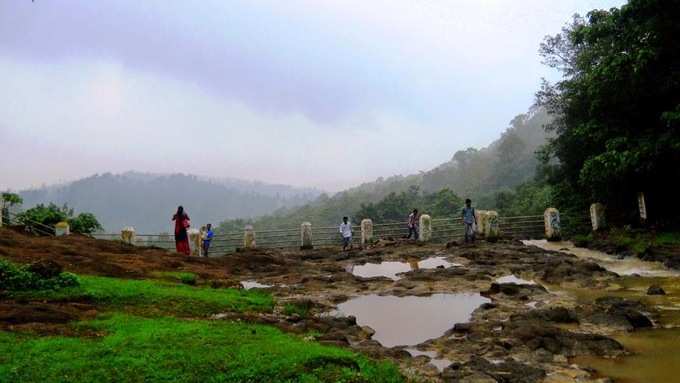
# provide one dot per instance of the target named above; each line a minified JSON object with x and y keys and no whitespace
{"x":194,"y":241}
{"x":249,"y":237}
{"x":306,"y":236}
{"x":127,"y":235}
{"x":425,"y":228}
{"x":62,"y":228}
{"x":2,"y":210}
{"x":366,"y":231}
{"x":491,"y":226}
{"x":482,"y":218}
{"x":597,"y":217}
{"x":642,"y":204}
{"x":551,"y":220}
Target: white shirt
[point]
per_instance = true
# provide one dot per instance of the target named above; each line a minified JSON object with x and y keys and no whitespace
{"x":346,"y":229}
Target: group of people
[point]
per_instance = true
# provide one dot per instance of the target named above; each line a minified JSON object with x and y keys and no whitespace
{"x":182,"y":224}
{"x":467,"y":214}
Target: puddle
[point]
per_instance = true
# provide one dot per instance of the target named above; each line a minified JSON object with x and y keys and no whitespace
{"x":254,"y":285}
{"x":626,"y":266}
{"x":411,"y":320}
{"x":440,"y":363}
{"x":390,"y":269}
{"x":655,"y":360}
{"x":515,"y":280}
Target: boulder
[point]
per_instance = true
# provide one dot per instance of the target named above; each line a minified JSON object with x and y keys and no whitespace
{"x":655,"y":290}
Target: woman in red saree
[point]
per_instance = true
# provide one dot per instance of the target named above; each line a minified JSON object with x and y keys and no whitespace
{"x":181,"y":238}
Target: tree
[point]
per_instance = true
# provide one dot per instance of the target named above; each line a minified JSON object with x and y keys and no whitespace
{"x":9,"y":200}
{"x":50,"y":215}
{"x":617,"y":107}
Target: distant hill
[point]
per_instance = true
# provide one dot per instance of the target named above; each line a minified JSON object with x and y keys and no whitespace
{"x":147,"y":201}
{"x":476,"y":173}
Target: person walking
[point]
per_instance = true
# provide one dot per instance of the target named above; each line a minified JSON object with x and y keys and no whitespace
{"x":207,"y":238}
{"x":182,"y":222}
{"x":413,"y":224}
{"x":470,"y":221}
{"x":346,"y":231}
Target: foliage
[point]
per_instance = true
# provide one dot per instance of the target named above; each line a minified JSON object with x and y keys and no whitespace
{"x":52,"y":214}
{"x":397,"y":207}
{"x":19,"y":278}
{"x":163,"y":349}
{"x":617,"y":107}
{"x":154,"y":297}
{"x":530,"y":198}
{"x":12,"y":199}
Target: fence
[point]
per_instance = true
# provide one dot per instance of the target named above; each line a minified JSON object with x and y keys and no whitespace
{"x":442,"y":230}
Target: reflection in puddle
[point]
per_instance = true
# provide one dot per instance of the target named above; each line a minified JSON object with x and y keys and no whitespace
{"x":440,"y":363}
{"x":254,"y":285}
{"x":626,"y":266}
{"x":411,"y":320}
{"x":515,"y":280}
{"x":390,"y":269}
{"x":655,"y":360}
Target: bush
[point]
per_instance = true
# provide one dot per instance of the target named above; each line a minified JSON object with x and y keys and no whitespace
{"x":188,"y":279}
{"x":50,"y":215}
{"x":19,"y":278}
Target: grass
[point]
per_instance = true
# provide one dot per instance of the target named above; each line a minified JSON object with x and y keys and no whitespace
{"x":150,"y":297}
{"x":168,"y":349}
{"x":300,"y":309}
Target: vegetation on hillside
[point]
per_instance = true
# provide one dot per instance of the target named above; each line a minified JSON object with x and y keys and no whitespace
{"x":478,"y":174}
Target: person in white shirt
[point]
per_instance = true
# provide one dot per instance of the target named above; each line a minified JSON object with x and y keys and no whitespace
{"x":346,"y":231}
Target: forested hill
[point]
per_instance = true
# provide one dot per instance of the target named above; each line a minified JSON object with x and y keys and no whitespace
{"x":147,"y":201}
{"x":477,"y":173}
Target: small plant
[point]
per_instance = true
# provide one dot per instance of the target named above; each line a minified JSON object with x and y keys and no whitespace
{"x":300,"y":308}
{"x":20,"y":278}
{"x":188,"y":279}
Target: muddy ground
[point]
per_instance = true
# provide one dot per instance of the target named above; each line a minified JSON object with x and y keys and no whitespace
{"x":523,"y":333}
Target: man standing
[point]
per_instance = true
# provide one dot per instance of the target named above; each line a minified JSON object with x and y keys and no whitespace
{"x":346,"y":231}
{"x":208,"y":236}
{"x":413,"y":224}
{"x":470,"y":220}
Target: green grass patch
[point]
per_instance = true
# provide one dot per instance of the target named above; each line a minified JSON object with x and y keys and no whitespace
{"x":151,"y":297}
{"x":667,"y":239}
{"x":173,"y":350}
{"x":181,"y":276}
{"x":300,"y":309}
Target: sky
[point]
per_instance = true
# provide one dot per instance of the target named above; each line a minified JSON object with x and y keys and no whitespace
{"x":326,"y":94}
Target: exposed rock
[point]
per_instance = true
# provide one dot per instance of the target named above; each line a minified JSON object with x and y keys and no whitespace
{"x":655,"y":290}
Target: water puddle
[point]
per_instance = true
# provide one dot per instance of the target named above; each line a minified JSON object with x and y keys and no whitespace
{"x":655,"y":360}
{"x":411,"y":320}
{"x":626,"y":266}
{"x":254,"y":285}
{"x":440,"y":363}
{"x":515,"y":280}
{"x":390,"y":269}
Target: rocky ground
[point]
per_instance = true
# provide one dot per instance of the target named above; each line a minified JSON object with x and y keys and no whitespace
{"x":524,"y":333}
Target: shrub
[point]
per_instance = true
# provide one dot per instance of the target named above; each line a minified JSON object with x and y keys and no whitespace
{"x":19,"y":278}
{"x":85,"y":223}
{"x":188,"y":279}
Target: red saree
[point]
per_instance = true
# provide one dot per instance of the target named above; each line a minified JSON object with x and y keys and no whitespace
{"x":181,"y":236}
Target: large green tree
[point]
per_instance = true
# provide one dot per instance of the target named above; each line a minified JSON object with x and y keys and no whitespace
{"x":617,"y":107}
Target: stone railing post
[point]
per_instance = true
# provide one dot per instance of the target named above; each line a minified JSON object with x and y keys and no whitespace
{"x":249,"y":237}
{"x":642,"y":205}
{"x":491,"y":226}
{"x":425,"y":228}
{"x":62,"y":228}
{"x":127,"y":235}
{"x":551,"y":220}
{"x":481,"y":216}
{"x":366,"y":231}
{"x":306,"y":236}
{"x":597,"y":216}
{"x":194,"y":241}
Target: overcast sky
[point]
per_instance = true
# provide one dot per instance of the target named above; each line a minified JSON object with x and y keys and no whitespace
{"x":314,"y":93}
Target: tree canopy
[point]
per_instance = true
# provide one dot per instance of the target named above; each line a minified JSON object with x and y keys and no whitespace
{"x":617,"y":107}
